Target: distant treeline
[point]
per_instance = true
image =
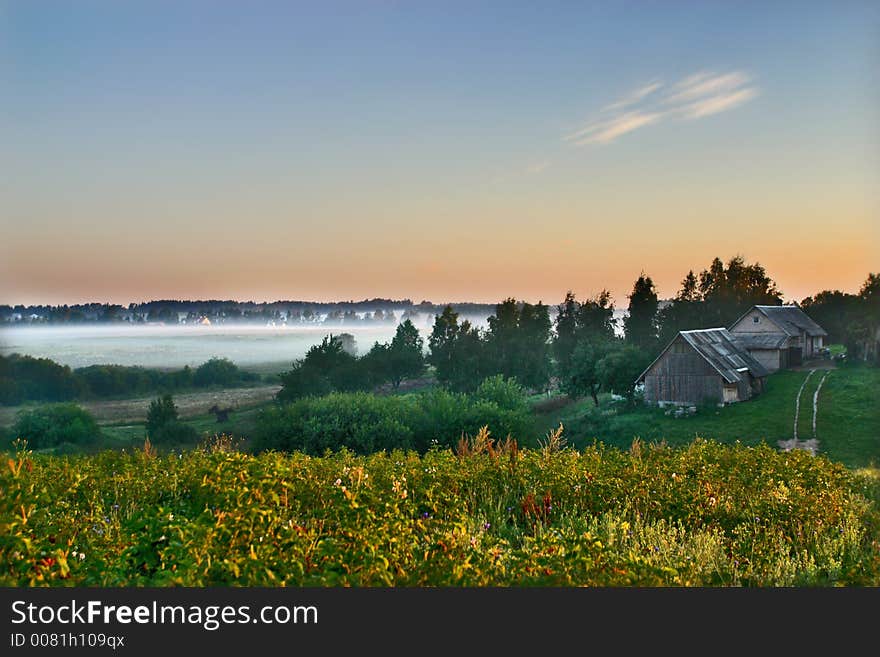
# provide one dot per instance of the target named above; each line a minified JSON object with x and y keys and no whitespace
{"x":174,"y":311}
{"x":24,"y":378}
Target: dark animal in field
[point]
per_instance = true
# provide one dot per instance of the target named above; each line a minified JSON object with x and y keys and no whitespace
{"x":221,"y":413}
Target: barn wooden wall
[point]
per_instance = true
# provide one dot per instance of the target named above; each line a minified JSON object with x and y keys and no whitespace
{"x":683,"y":378}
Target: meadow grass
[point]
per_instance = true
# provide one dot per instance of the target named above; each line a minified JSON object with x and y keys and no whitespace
{"x":848,"y":421}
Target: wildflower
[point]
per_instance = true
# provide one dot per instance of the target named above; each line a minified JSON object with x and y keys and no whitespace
{"x":425,"y":515}
{"x":337,"y":482}
{"x":486,"y":526}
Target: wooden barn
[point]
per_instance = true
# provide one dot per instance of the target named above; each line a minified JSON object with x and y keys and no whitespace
{"x":779,"y":336}
{"x":702,"y":366}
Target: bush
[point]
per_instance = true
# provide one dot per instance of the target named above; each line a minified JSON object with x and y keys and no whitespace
{"x":162,"y":411}
{"x":358,"y":421}
{"x":364,"y":422}
{"x":24,"y":378}
{"x":175,"y":433}
{"x":221,"y":372}
{"x":505,"y":393}
{"x":56,"y":424}
{"x":117,"y":380}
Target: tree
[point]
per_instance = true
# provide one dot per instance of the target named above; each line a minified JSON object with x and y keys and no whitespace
{"x":618,"y":369}
{"x":595,"y":317}
{"x":717,"y":297}
{"x":218,"y":371}
{"x":579,"y":375}
{"x":457,"y":352}
{"x":582,"y":331}
{"x":518,"y":342}
{"x":835,"y":311}
{"x":566,"y":328}
{"x":533,"y":369}
{"x":406,"y":354}
{"x":162,"y":412}
{"x":441,"y":343}
{"x":640,"y":325}
{"x":326,"y":367}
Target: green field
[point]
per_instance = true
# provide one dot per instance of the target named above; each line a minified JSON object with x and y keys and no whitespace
{"x":848,"y":421}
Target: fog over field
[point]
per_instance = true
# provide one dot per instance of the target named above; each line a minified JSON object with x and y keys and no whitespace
{"x":173,"y":346}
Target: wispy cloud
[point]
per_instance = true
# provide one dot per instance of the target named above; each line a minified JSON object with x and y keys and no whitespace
{"x":635,"y":96}
{"x":718,"y":103}
{"x":693,"y":97}
{"x":605,"y":131}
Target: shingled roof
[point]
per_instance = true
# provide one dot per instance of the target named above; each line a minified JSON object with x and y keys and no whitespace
{"x":722,"y":351}
{"x":790,"y":319}
{"x":761,"y":340}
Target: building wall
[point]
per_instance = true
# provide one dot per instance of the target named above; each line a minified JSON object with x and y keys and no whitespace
{"x":748,"y":324}
{"x":682,"y":376}
{"x":769,"y":358}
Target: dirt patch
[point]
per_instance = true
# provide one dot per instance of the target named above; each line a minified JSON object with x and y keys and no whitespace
{"x":811,"y":445}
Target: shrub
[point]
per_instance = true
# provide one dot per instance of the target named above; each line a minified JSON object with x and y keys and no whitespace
{"x":359,"y":421}
{"x":505,"y":393}
{"x":56,"y":424}
{"x":364,"y":422}
{"x":25,"y":378}
{"x":175,"y":433}
{"x":162,"y":411}
{"x":221,"y":372}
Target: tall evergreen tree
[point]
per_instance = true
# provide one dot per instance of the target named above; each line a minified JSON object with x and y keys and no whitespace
{"x":640,"y":325}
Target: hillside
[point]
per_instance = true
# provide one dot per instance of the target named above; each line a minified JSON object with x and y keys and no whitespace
{"x":847,"y":419}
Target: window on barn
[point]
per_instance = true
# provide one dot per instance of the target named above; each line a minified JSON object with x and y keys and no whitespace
{"x":756,"y":319}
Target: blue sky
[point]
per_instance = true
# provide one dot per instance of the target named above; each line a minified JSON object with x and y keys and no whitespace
{"x":436,"y":150}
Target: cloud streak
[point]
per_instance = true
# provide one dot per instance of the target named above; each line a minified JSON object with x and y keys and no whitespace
{"x":694,"y":97}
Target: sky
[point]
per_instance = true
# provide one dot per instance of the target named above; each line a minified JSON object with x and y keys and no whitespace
{"x":445,"y":151}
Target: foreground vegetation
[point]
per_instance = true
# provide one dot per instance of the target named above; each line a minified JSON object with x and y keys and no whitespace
{"x":484,"y":514}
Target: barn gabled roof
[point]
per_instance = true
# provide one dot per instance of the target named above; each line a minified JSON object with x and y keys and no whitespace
{"x":721,"y":350}
{"x":790,"y":319}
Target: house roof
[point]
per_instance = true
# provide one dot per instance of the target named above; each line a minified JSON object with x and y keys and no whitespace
{"x":761,"y":340}
{"x":721,"y":350}
{"x":790,"y":319}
